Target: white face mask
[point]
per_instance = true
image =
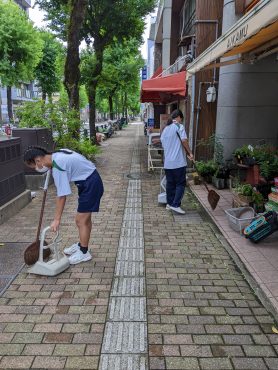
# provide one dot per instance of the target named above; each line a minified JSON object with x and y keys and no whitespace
{"x":42,"y":170}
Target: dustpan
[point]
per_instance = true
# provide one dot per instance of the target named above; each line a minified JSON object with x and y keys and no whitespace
{"x":57,"y":262}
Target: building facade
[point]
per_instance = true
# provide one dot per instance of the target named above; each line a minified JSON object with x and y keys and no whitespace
{"x":232,"y":98}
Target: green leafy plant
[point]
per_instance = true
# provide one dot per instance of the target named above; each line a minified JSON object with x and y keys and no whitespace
{"x":206,"y":168}
{"x":244,"y":189}
{"x":257,"y":198}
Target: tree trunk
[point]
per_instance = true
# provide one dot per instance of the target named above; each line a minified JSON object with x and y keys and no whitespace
{"x":72,"y":71}
{"x":126,"y":106}
{"x":111,"y":113}
{"x":44,"y":96}
{"x":10,"y":104}
{"x":92,"y":88}
{"x":92,"y":113}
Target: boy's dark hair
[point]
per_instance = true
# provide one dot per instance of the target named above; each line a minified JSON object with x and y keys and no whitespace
{"x":177,"y":113}
{"x":35,"y":151}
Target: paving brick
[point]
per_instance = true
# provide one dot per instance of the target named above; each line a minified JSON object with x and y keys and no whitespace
{"x":16,"y":362}
{"x":69,"y":350}
{"x":27,"y":338}
{"x":11,"y":349}
{"x":49,"y":362}
{"x":157,"y":363}
{"x":179,"y":363}
{"x":249,"y":363}
{"x":259,"y":351}
{"x":88,"y":362}
{"x":238,"y":339}
{"x":18,"y":328}
{"x":58,"y":338}
{"x":215,"y":363}
{"x":38,"y":349}
{"x":6,"y":337}
{"x":76,"y":328}
{"x":195,"y":351}
{"x":226,"y":351}
{"x":47,"y":328}
{"x":272,"y":363}
{"x":207,"y":339}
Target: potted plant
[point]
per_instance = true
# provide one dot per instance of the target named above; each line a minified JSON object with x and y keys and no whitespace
{"x":220,"y":177}
{"x":244,"y":193}
{"x":245,"y":155}
{"x":206,"y":169}
{"x":258,"y":202}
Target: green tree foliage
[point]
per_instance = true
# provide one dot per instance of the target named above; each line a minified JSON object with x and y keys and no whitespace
{"x":66,"y":18}
{"x":20,"y":48}
{"x":107,"y":22}
{"x":60,"y":119}
{"x":120,"y":74}
{"x":47,"y":72}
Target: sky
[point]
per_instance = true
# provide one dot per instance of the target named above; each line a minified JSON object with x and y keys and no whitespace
{"x":36,"y":16}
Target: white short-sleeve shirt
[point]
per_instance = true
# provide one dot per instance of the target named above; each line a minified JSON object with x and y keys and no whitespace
{"x":174,"y":153}
{"x":69,"y":167}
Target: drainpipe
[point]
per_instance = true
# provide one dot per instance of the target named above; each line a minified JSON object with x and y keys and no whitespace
{"x":215,"y":21}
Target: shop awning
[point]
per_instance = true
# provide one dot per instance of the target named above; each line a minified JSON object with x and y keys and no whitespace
{"x":155,"y":90}
{"x":257,"y":28}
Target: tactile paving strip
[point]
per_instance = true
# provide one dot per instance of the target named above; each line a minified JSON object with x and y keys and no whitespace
{"x":125,"y":337}
{"x":123,"y":362}
{"x":128,"y":287}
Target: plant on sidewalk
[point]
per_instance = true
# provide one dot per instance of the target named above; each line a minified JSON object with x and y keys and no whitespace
{"x":60,"y":120}
{"x":206,"y":169}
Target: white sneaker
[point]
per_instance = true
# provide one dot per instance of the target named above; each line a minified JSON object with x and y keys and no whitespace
{"x":168,"y":207}
{"x":79,"y":256}
{"x":72,"y":249}
{"x":178,"y":210}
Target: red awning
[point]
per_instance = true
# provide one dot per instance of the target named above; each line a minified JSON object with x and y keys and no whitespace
{"x":155,"y":90}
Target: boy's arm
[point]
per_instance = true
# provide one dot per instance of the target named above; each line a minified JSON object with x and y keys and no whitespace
{"x":60,"y":204}
{"x":187,"y":149}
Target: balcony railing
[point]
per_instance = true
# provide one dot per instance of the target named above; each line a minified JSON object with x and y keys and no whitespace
{"x":177,"y":66}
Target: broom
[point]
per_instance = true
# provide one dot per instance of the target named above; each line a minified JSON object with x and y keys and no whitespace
{"x":31,"y":254}
{"x":213,"y":197}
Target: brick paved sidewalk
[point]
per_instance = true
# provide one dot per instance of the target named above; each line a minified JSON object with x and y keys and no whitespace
{"x":201,"y":313}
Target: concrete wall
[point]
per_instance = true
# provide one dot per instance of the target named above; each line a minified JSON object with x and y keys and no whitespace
{"x":166,"y":36}
{"x":247,"y":110}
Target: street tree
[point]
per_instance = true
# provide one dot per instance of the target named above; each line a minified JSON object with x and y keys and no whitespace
{"x":20,"y":48}
{"x":48,"y":71}
{"x":107,"y":22}
{"x":66,"y":18}
{"x":120,"y":73}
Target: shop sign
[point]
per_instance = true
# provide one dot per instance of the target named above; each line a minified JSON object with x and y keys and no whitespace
{"x":237,"y":37}
{"x":144,"y":73}
{"x":150,"y":122}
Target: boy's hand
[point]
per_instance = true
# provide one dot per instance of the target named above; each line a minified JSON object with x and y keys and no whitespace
{"x":191,"y":157}
{"x":55,"y":226}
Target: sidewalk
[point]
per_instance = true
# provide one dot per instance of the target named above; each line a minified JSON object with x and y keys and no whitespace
{"x":160,"y":293}
{"x":260,"y":259}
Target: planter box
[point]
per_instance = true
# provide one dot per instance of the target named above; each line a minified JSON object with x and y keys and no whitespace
{"x":241,"y":200}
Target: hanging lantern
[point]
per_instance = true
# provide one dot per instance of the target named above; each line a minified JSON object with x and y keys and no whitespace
{"x":211,"y":94}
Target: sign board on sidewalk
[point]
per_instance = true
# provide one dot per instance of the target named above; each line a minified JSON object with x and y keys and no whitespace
{"x":150,"y":122}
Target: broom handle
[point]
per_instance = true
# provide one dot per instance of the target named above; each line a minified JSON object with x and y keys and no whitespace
{"x":43,"y":203}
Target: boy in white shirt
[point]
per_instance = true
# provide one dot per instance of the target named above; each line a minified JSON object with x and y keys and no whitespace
{"x":175,"y":145}
{"x":68,"y":166}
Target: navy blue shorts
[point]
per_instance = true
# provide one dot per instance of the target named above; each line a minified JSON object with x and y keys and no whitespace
{"x":90,"y":192}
